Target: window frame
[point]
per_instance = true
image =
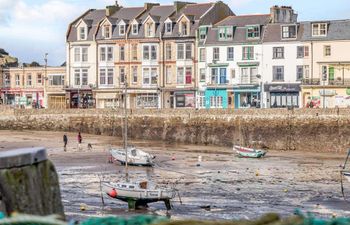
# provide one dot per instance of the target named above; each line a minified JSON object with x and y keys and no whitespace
{"x":279,"y":74}
{"x":249,"y":54}
{"x":255,"y":34}
{"x":278,"y":52}
{"x":202,"y":54}
{"x":216,"y":54}
{"x":121,"y":29}
{"x":317,"y":29}
{"x":290,"y":34}
{"x":327,"y":50}
{"x":230,"y":53}
{"x":133,"y":29}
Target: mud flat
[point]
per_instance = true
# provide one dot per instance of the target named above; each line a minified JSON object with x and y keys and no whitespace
{"x":222,"y":187}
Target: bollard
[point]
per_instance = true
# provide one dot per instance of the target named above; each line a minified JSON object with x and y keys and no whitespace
{"x":29,"y":183}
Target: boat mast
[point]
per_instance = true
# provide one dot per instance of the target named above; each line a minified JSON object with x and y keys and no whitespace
{"x":126,"y":131}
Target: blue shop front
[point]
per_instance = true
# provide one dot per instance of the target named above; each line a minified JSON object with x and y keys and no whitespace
{"x":247,"y":96}
{"x":216,"y":98}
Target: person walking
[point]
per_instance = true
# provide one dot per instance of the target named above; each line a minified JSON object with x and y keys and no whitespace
{"x":80,"y":139}
{"x":65,"y":141}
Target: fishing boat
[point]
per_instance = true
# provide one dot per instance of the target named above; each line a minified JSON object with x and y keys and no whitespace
{"x":248,"y":152}
{"x":135,"y":193}
{"x":136,"y":157}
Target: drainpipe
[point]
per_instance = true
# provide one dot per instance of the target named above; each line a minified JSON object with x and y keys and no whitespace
{"x":312,"y":66}
{"x":161,"y":100}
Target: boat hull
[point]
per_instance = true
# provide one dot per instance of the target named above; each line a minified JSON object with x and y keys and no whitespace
{"x":140,"y":158}
{"x":249,"y":152}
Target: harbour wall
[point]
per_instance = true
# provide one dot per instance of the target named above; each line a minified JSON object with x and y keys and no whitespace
{"x":318,"y":130}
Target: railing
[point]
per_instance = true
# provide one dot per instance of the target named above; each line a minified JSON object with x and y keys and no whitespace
{"x":345,"y":81}
{"x":317,"y":81}
{"x":313,"y":81}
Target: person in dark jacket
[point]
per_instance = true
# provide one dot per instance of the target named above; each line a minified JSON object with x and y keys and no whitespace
{"x":65,"y":141}
{"x":80,"y":139}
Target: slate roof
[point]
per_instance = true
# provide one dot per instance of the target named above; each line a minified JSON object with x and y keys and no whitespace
{"x":195,"y":10}
{"x":337,"y":30}
{"x":273,"y":33}
{"x":241,"y":21}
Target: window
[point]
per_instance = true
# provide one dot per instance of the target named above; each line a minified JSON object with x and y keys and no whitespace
{"x":230,"y":53}
{"x":17,"y":79}
{"x":56,"y":80}
{"x":84,"y":77}
{"x":134,"y":51}
{"x":149,"y":30}
{"x":82,"y":33}
{"x":135,"y":29}
{"x":77,"y":77}
{"x":146,"y":52}
{"x":289,"y":31}
{"x":327,"y":50}
{"x":202,"y":54}
{"x":168,"y":51}
{"x":248,"y":75}
{"x":122,"y":29}
{"x":168,"y":74}
{"x":153,"y":52}
{"x":225,"y":33}
{"x":302,"y":51}
{"x":216,"y":54}
{"x":110,"y":75}
{"x":7,"y":80}
{"x":180,"y":51}
{"x":146,"y":76}
{"x":180,"y":75}
{"x":150,"y":52}
{"x":253,"y":32}
{"x":102,"y":54}
{"x":202,"y":33}
{"x":84,"y":54}
{"x":278,"y":52}
{"x":306,"y":72}
{"x":121,"y":52}
{"x":154,"y":76}
{"x":188,"y":75}
{"x":102,"y":76}
{"x":107,"y":31}
{"x":76,"y":54}
{"x":188,"y":51}
{"x":300,"y":72}
{"x":168,"y":27}
{"x":134,"y":74}
{"x":248,"y":53}
{"x":201,"y":97}
{"x":39,"y":78}
{"x":202,"y":74}
{"x":184,"y":28}
{"x":29,"y":79}
{"x":215,"y":101}
{"x":218,"y":76}
{"x":214,"y":76}
{"x":278,"y":73}
{"x":109,"y":54}
{"x":122,"y":77}
{"x":147,"y":101}
{"x":319,"y":29}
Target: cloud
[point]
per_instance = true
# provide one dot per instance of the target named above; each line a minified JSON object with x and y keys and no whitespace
{"x":6,"y":7}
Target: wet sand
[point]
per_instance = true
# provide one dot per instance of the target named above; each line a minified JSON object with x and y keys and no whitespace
{"x":232,"y":187}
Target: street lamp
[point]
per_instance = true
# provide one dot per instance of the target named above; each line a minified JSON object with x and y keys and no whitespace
{"x":261,"y":88}
{"x":45,"y":77}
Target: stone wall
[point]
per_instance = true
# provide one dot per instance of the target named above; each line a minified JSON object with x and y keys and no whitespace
{"x":280,"y":129}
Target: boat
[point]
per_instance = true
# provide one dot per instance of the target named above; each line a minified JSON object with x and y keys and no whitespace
{"x":136,"y":193}
{"x":136,"y":157}
{"x":248,"y":152}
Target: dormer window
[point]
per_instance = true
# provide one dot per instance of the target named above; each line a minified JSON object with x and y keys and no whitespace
{"x":168,"y":27}
{"x":82,"y":33}
{"x":319,"y":29}
{"x":135,"y":28}
{"x":183,"y":28}
{"x":225,"y":33}
{"x":289,"y":31}
{"x":107,"y":31}
{"x":149,"y":29}
{"x":202,"y":33}
{"x":121,"y":29}
{"x":253,"y":32}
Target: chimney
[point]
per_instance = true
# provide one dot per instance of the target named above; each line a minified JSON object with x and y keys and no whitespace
{"x":148,"y":6}
{"x":179,"y":5}
{"x":283,"y":14}
{"x":111,"y":9}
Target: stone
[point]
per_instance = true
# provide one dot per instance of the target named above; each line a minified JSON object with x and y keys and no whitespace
{"x":22,"y":157}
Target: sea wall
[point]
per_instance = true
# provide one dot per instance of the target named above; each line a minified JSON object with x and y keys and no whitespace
{"x":281,"y":129}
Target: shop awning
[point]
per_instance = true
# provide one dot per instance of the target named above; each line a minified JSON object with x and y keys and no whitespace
{"x":247,"y":64}
{"x":218,"y":64}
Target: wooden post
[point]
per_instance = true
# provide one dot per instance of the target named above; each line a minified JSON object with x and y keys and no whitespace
{"x":29,"y":183}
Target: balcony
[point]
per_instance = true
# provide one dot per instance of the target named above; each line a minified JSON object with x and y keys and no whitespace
{"x":313,"y":81}
{"x":345,"y":81}
{"x":317,"y":81}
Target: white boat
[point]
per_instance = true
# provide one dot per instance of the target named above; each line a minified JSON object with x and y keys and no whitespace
{"x":249,"y":152}
{"x":138,"y":194}
{"x":135,"y":157}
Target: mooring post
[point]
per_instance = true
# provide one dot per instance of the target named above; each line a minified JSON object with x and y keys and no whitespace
{"x":29,"y":183}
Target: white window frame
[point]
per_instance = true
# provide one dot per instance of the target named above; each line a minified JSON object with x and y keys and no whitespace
{"x":17,"y":79}
{"x":135,"y":31}
{"x":251,"y":29}
{"x":202,"y":54}
{"x":82,"y":33}
{"x":152,"y":52}
{"x":60,"y":79}
{"x":168,"y":51}
{"x":202,"y":74}
{"x":168,"y":74}
{"x":318,"y":30}
{"x":230,"y":55}
{"x":107,"y":30}
{"x":184,"y":53}
{"x":121,"y":29}
{"x":29,"y":80}
{"x":168,"y":27}
{"x":216,"y":54}
{"x":286,"y":33}
{"x":134,"y":74}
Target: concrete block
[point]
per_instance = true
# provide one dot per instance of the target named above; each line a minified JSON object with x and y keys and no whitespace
{"x":22,"y":157}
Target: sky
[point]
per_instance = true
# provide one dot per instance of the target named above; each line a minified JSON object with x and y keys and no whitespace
{"x":31,"y":28}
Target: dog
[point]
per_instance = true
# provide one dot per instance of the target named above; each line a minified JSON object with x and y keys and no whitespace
{"x":89,"y":146}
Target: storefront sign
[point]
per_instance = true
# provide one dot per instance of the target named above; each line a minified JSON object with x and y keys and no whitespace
{"x":328,"y":92}
{"x":282,"y":87}
{"x":185,"y":100}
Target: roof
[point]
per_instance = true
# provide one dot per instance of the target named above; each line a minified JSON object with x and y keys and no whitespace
{"x":195,"y":10}
{"x":337,"y":30}
{"x":241,"y":21}
{"x":273,"y":33}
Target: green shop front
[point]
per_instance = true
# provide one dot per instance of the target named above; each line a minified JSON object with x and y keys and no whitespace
{"x":246,"y":96}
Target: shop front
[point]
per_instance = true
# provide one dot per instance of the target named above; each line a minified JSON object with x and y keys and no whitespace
{"x":216,"y":98}
{"x":282,"y":95}
{"x":23,"y":98}
{"x":80,"y":98}
{"x":247,"y":96}
{"x":183,"y":99}
{"x":56,"y":101}
{"x":326,"y":97}
{"x":109,"y":99}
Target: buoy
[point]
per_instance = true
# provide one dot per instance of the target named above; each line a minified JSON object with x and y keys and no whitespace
{"x":257,"y":173}
{"x":112,"y":193}
{"x":82,"y":207}
{"x":173,"y":158}
{"x":200,"y":158}
{"x":334,"y":215}
{"x":285,"y":190}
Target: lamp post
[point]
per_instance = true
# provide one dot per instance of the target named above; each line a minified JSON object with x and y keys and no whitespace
{"x":261,"y":88}
{"x":45,"y":77}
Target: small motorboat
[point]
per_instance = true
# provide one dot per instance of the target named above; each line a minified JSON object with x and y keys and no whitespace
{"x":138,"y":194}
{"x":248,"y":152}
{"x":136,"y":157}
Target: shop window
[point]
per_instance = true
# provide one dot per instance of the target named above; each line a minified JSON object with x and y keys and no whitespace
{"x":216,"y":101}
{"x":147,"y":101}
